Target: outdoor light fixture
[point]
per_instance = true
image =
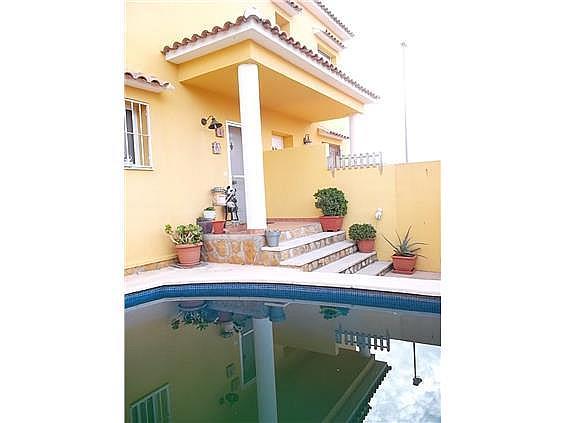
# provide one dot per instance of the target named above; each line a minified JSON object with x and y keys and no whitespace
{"x":214,"y":124}
{"x":416,"y":380}
{"x":307,"y":140}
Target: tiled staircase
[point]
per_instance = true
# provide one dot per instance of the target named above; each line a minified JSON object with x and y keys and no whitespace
{"x":308,"y":248}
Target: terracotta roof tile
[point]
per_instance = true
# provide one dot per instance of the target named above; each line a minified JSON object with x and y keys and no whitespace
{"x":294,"y":5}
{"x":332,"y":16}
{"x":335,"y":39}
{"x":312,"y":55}
{"x":152,"y":80}
{"x":335,"y":133}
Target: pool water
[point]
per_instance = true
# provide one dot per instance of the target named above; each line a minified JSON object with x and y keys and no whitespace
{"x":251,"y":360}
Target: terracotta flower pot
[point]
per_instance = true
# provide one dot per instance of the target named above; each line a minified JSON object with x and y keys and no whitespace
{"x":365,"y":245}
{"x":331,"y":223}
{"x":403,"y":264}
{"x":218,"y":226}
{"x":189,"y":254}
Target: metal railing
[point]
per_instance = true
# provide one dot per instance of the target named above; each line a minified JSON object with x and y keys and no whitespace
{"x":360,"y":339}
{"x":355,"y":161}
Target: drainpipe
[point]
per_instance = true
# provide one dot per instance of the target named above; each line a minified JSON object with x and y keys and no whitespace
{"x":264,"y":364}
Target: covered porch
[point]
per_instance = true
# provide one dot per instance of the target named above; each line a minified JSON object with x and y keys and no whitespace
{"x":277,"y":81}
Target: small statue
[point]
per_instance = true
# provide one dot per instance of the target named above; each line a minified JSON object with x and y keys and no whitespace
{"x":231,"y":207}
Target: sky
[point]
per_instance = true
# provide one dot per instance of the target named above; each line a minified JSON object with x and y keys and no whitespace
{"x":374,"y":58}
{"x":397,"y":399}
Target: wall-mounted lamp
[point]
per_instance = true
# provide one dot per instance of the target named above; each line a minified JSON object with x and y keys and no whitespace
{"x":307,"y":140}
{"x":214,"y":124}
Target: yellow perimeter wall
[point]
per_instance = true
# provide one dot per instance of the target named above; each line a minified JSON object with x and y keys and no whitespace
{"x":409,"y":194}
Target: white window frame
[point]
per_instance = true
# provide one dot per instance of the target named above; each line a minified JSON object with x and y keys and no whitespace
{"x":138,"y":133}
{"x":135,"y":408}
{"x":325,"y":55}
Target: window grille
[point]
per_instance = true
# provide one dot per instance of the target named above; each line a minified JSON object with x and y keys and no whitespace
{"x":137,"y":137}
{"x":154,"y":408}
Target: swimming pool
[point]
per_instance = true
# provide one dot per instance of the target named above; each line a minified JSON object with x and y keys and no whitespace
{"x":286,"y":353}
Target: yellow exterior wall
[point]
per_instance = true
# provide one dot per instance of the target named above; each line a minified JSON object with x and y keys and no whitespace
{"x":184,"y":168}
{"x":409,"y":194}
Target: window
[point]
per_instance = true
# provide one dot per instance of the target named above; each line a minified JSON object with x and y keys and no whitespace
{"x":333,"y":153}
{"x":277,"y":142}
{"x":281,"y":140}
{"x":154,"y":407}
{"x":282,"y":22}
{"x":324,"y":53}
{"x":136,"y":138}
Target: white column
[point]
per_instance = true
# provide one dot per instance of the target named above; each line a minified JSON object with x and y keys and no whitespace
{"x":264,"y":364}
{"x":354,"y":133}
{"x":249,"y":106}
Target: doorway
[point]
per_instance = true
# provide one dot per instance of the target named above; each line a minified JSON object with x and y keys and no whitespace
{"x":236,"y":168}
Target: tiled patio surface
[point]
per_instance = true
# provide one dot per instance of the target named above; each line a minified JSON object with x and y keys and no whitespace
{"x":418,"y":274}
{"x":225,"y":273}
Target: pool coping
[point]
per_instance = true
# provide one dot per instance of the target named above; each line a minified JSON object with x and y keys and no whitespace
{"x":220,"y":273}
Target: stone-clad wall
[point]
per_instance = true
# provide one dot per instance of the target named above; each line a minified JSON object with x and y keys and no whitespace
{"x":235,"y":249}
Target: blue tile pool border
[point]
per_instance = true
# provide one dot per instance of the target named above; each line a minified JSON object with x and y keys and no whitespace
{"x":363,"y":297}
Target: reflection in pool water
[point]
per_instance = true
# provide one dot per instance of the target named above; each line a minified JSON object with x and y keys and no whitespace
{"x":220,"y":360}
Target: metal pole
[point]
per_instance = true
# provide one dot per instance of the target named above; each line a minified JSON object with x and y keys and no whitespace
{"x":403,"y":47}
{"x":416,"y":380}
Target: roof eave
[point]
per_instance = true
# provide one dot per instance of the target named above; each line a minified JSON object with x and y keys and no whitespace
{"x":327,"y":20}
{"x":252,"y":30}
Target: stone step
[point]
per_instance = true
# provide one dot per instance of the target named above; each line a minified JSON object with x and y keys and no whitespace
{"x":377,"y":268}
{"x":321,"y":257}
{"x":349,"y":264}
{"x":298,"y":246}
{"x":299,"y":231}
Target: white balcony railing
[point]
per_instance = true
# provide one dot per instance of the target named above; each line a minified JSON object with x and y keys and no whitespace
{"x":355,"y":161}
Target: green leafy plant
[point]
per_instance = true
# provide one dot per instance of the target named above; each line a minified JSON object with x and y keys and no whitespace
{"x":185,"y":234}
{"x":199,"y":319}
{"x":404,"y":247}
{"x":331,"y":201}
{"x":210,"y":208}
{"x":361,"y":231}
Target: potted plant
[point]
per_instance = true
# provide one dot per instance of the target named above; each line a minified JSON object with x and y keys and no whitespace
{"x":272,"y":238}
{"x":187,"y":240}
{"x":209,"y":213}
{"x":205,"y":224}
{"x":333,"y":204}
{"x":363,"y":234}
{"x":405,"y":255}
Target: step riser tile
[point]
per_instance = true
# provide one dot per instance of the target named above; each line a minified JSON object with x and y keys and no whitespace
{"x":301,"y":231}
{"x":275,"y":257}
{"x":356,"y":267}
{"x":316,"y":264}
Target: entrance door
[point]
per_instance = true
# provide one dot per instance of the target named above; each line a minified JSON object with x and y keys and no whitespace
{"x":236,"y":169}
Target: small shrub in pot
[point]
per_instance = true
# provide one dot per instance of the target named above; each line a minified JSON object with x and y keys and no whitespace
{"x":187,"y":240}
{"x":364,"y":235}
{"x":333,"y":205}
{"x":209,"y":213}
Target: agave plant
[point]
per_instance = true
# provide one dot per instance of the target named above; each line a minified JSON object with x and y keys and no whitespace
{"x":405,"y":247}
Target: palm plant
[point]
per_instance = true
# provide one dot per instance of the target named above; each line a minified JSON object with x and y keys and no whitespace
{"x":405,"y":247}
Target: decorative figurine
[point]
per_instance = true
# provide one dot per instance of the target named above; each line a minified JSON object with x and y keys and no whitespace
{"x":231,"y":207}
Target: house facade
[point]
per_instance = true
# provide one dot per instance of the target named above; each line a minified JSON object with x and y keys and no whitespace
{"x":267,"y":71}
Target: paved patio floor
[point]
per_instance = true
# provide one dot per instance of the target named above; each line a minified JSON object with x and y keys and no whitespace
{"x":226,"y":273}
{"x":418,"y":274}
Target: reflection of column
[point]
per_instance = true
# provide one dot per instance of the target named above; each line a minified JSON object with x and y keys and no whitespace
{"x":264,"y":364}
